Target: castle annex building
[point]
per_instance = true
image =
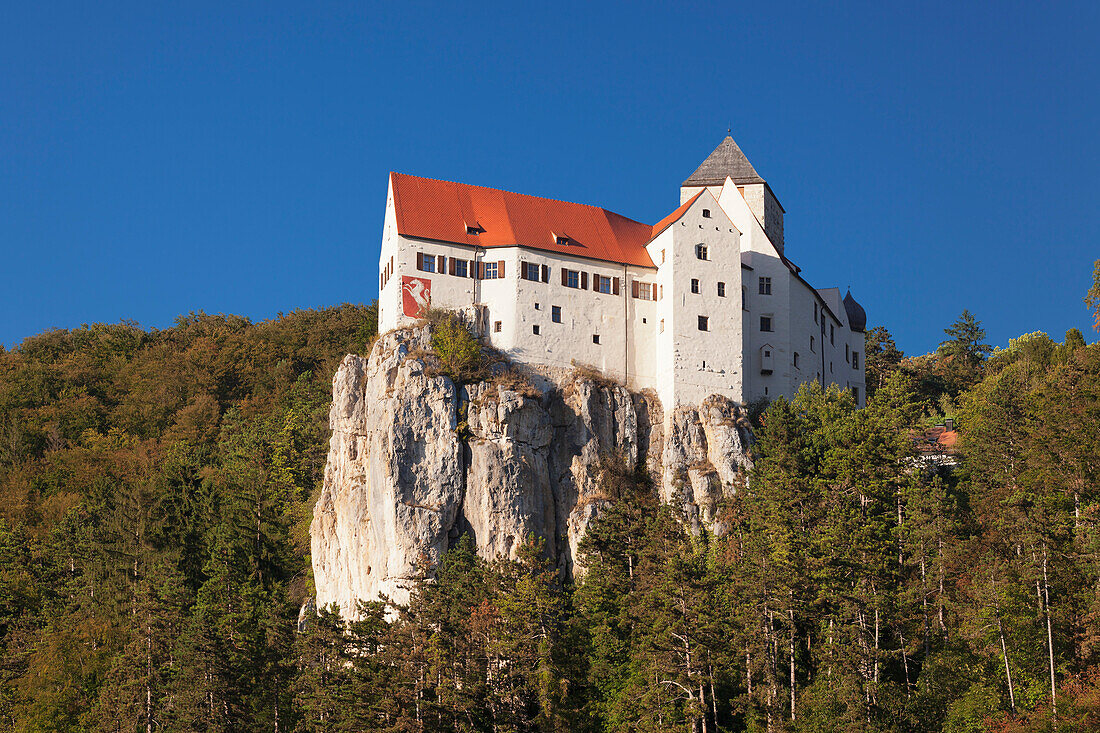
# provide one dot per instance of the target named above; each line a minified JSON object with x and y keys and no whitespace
{"x":703,"y":302}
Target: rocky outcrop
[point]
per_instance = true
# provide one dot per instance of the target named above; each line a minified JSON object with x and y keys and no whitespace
{"x":415,"y":461}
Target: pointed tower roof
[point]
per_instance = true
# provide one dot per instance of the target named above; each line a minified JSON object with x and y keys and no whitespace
{"x":726,"y":160}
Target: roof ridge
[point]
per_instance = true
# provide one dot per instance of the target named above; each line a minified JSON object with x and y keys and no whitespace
{"x":517,"y":193}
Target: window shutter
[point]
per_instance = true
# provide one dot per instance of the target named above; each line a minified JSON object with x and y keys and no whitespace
{"x":452,"y":266}
{"x":442,"y":262}
{"x":615,"y":286}
{"x":481,"y":271}
{"x":523,"y":270}
{"x":546,"y":273}
{"x":634,"y":288}
{"x":595,"y":282}
{"x":419,"y":261}
{"x":564,"y":276}
{"x":471,"y":269}
{"x":584,"y":281}
{"x":653,"y":292}
{"x":500,"y":268}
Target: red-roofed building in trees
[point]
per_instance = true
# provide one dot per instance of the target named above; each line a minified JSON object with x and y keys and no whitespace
{"x":704,"y":302}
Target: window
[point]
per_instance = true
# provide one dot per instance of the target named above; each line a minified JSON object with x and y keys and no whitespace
{"x":815,"y":312}
{"x":662,"y":257}
{"x":425,"y":263}
{"x":595,"y":338}
{"x":832,"y":333}
{"x":538,"y":307}
{"x":855,"y":394}
{"x":704,"y":323}
{"x":767,"y":352}
{"x":661,"y":326}
{"x":855,"y":360}
{"x":744,"y":298}
{"x":706,"y":213}
{"x":496,"y":326}
{"x":535,"y":330}
{"x":796,"y":360}
{"x":812,"y":344}
{"x":721,"y":290}
{"x":561,"y":240}
{"x":845,"y":352}
{"x":473,"y":230}
{"x":660,"y":292}
{"x":765,"y":323}
{"x":644,"y":291}
{"x":602,"y":284}
{"x":529,"y":271}
{"x":694,"y":286}
{"x":830,"y":367}
{"x":765,"y":284}
{"x":460,"y":268}
{"x":570,"y":278}
{"x":555,"y":313}
{"x":700,"y":251}
{"x":491,"y":271}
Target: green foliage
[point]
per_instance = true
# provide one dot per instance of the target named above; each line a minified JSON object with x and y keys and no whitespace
{"x":155,"y":489}
{"x":1092,"y":297}
{"x":459,"y":353}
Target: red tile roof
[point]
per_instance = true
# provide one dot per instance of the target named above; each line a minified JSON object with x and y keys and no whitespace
{"x":672,"y":218}
{"x":938,"y":439}
{"x":442,"y":210}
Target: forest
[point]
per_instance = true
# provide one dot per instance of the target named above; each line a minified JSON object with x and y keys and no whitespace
{"x":156,"y":488}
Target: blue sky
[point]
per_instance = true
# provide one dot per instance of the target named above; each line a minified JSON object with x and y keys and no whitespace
{"x":160,"y":158}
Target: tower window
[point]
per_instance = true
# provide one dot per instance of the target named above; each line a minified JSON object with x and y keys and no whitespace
{"x":595,"y":338}
{"x":700,"y":251}
{"x":661,"y":326}
{"x":496,"y":326}
{"x":535,"y":329}
{"x":813,"y":343}
{"x":855,"y":360}
{"x":815,"y":312}
{"x":721,"y":290}
{"x":796,"y":360}
{"x":704,"y":323}
{"x":765,"y":323}
{"x":832,"y":333}
{"x":765,"y":284}
{"x":695,"y":286}
{"x":706,"y":213}
{"x":555,"y":313}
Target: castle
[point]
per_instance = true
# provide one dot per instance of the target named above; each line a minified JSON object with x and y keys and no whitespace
{"x":703,"y":302}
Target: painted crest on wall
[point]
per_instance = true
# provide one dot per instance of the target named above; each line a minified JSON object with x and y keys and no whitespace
{"x":416,"y":295}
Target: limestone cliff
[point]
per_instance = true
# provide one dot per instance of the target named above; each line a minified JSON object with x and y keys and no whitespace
{"x":415,"y":461}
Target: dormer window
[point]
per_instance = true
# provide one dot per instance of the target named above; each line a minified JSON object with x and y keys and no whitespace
{"x":474,"y":229}
{"x":562,"y":240}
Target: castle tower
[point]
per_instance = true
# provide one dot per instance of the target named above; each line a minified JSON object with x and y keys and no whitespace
{"x":727,"y":160}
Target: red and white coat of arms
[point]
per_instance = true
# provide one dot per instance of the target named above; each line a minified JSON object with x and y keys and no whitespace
{"x":416,"y":295}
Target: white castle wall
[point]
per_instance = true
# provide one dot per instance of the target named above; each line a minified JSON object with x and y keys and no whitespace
{"x":651,"y":344}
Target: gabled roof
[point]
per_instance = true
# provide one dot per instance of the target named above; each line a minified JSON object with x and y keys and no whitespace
{"x":672,"y":218}
{"x":726,"y":160}
{"x":442,"y":210}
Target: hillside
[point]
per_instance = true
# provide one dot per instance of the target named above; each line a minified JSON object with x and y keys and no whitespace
{"x":156,"y":489}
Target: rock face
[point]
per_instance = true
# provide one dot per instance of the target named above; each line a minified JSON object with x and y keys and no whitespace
{"x":415,"y":461}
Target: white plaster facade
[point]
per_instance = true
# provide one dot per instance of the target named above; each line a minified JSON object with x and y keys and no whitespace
{"x":663,"y":343}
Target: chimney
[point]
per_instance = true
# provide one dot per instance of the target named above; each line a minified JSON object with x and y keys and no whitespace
{"x":949,"y":424}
